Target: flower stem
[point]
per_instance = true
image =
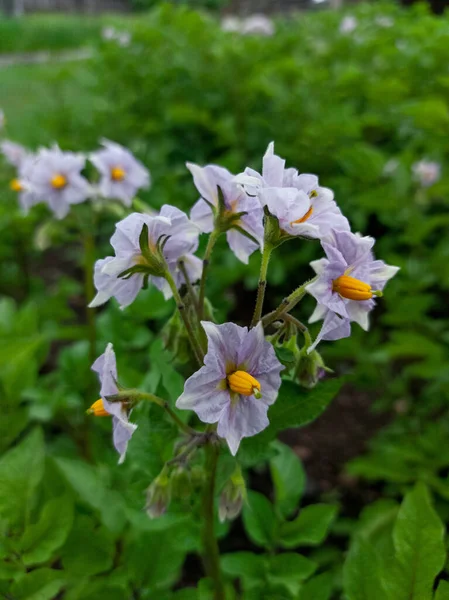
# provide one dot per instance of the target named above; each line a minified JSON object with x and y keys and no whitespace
{"x":206,"y":260}
{"x":211,"y":553}
{"x":189,"y":286}
{"x":266,"y":254}
{"x":89,"y":292}
{"x":196,"y":346}
{"x":164,"y":404}
{"x":287,"y":304}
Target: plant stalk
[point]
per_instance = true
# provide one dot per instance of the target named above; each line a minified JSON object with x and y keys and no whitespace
{"x":287,"y":304}
{"x":211,"y":553}
{"x":206,"y":260}
{"x":261,"y":287}
{"x":196,"y":346}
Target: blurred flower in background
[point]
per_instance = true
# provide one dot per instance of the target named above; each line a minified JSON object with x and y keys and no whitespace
{"x":427,"y":172}
{"x":256,"y":24}
{"x":348,"y":24}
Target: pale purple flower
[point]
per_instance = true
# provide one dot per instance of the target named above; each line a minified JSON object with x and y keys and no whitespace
{"x":22,"y":185}
{"x":390,"y":167}
{"x":384,"y":21}
{"x":301,"y":205}
{"x":348,"y":24}
{"x":348,"y":255}
{"x":106,"y":368}
{"x":427,"y":172}
{"x":258,"y":25}
{"x":182,"y":241}
{"x":122,"y":175}
{"x":2,"y":119}
{"x":210,"y":392}
{"x":207,"y":181}
{"x":231,"y":24}
{"x":56,"y":180}
{"x":108,"y":33}
{"x":14,"y":153}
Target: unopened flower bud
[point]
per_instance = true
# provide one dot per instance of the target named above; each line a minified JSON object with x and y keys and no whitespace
{"x":310,"y":368}
{"x":181,"y":486}
{"x":158,"y":495}
{"x":232,"y":497}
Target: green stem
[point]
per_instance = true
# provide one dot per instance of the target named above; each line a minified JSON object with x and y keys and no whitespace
{"x":164,"y":404}
{"x":196,"y":346}
{"x":266,"y":254}
{"x":211,"y":553}
{"x":287,"y":304}
{"x":189,"y":286}
{"x":89,"y":292}
{"x":206,"y":260}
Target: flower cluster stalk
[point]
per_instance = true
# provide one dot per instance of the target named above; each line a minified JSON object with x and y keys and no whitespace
{"x":261,"y":287}
{"x":287,"y":304}
{"x":211,"y":553}
{"x":206,"y":261}
{"x":89,"y":291}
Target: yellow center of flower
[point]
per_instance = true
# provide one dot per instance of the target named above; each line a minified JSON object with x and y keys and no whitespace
{"x":16,"y":186}
{"x":305,"y":217}
{"x":245,"y":384}
{"x":59,"y":181}
{"x":117,"y":174}
{"x":352,"y":288}
{"x":97,"y":409}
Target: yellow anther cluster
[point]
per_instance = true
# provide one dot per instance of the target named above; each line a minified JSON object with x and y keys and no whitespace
{"x":16,"y":186}
{"x":59,"y":181}
{"x":245,"y":384}
{"x":352,"y":288}
{"x":118,"y":174}
{"x":97,"y":409}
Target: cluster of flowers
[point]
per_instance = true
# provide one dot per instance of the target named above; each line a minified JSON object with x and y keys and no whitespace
{"x":257,"y":24}
{"x":55,"y":177}
{"x":239,"y":374}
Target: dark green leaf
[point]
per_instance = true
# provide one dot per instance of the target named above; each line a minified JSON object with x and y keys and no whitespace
{"x":288,"y":478}
{"x":362,"y":579}
{"x":317,"y":588}
{"x":442,"y":592}
{"x":310,"y":527}
{"x":259,"y":520}
{"x":42,"y":584}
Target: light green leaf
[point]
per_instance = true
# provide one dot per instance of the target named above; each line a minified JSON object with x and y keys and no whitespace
{"x":259,"y":520}
{"x":310,"y":527}
{"x":361,"y":574}
{"x":442,"y":592}
{"x":420,"y":553}
{"x":244,"y":565}
{"x":21,"y":470}
{"x":289,"y":570}
{"x":317,"y":588}
{"x":89,"y":549}
{"x":288,"y":478}
{"x":85,"y":480}
{"x":41,"y":539}
{"x":41,"y":584}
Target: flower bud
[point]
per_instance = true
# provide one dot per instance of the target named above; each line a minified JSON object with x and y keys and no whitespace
{"x":158,"y":495}
{"x":181,"y":485}
{"x":310,"y":368}
{"x":232,"y":497}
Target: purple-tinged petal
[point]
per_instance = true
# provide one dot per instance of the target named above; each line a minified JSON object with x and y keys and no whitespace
{"x":201,"y":215}
{"x":204,"y":394}
{"x":240,"y":419}
{"x":334,"y":328}
{"x":273,"y":167}
{"x":223,"y":343}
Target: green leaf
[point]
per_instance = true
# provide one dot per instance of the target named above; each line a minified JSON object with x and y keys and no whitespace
{"x":317,"y":588}
{"x":40,"y":540}
{"x":162,"y":361}
{"x":244,"y":565}
{"x":41,"y":584}
{"x":289,"y":570}
{"x":85,"y":480}
{"x":294,"y":407}
{"x":361,"y":574}
{"x":420,"y":553}
{"x":89,"y":549}
{"x":310,"y":527}
{"x":21,"y":470}
{"x":442,"y":592}
{"x":288,"y":478}
{"x":259,"y":520}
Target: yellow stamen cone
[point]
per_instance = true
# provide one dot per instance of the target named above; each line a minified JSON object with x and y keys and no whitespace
{"x":118,"y":174}
{"x":352,"y":288}
{"x":245,"y":384}
{"x":97,"y":409}
{"x":59,"y":181}
{"x":16,"y":186}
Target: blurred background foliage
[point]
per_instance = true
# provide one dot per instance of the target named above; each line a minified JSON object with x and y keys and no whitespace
{"x":358,"y":109}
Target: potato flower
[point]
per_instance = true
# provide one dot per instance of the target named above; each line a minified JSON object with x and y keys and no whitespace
{"x":348,"y":281}
{"x":56,"y":180}
{"x":122,"y":430}
{"x":123,"y":275}
{"x":302,"y":207}
{"x":208,"y":180}
{"x":240,"y":379}
{"x":122,"y":175}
